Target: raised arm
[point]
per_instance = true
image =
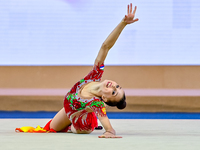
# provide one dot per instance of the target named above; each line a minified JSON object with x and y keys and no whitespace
{"x":112,"y":38}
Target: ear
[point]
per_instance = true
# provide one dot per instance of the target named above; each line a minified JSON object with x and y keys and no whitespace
{"x":104,"y":98}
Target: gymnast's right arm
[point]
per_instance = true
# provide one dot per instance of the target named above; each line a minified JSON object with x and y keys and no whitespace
{"x":112,"y":38}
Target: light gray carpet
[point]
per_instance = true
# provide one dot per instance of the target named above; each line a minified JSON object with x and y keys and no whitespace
{"x":137,"y":135}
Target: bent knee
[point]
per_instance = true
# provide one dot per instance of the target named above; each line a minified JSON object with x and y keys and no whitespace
{"x":80,"y":131}
{"x":84,"y":132}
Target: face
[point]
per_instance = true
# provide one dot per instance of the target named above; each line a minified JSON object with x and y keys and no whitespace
{"x":111,"y":91}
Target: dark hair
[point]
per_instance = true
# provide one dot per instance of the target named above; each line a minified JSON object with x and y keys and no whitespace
{"x":120,"y":105}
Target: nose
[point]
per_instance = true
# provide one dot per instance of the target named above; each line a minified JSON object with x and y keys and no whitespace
{"x":113,"y":86}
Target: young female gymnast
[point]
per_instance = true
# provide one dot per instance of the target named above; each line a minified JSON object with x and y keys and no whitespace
{"x":86,"y":98}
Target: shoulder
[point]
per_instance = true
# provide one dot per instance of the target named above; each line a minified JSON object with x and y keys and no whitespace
{"x":96,"y":73}
{"x":98,"y":66}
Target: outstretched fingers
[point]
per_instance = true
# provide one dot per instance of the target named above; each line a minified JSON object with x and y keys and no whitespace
{"x":103,"y":136}
{"x":134,"y":10}
{"x":129,"y":9}
{"x":129,"y":18}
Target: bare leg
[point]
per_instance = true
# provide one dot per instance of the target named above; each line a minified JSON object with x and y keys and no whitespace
{"x":60,"y":121}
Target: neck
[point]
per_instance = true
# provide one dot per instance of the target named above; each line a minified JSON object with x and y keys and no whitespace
{"x":92,"y":89}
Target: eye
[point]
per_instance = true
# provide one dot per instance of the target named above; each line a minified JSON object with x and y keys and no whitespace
{"x":117,"y":86}
{"x":113,"y":92}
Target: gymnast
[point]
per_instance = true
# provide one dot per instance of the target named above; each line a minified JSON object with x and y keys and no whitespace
{"x":87,"y":98}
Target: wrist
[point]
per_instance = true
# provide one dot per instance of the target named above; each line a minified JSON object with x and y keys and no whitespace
{"x":123,"y":22}
{"x":112,"y":132}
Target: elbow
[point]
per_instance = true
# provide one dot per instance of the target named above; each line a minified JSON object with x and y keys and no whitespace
{"x":105,"y":47}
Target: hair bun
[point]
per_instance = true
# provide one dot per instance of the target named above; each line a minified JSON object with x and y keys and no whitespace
{"x":121,"y":105}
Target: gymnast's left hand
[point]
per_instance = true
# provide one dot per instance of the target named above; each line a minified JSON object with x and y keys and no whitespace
{"x":109,"y":135}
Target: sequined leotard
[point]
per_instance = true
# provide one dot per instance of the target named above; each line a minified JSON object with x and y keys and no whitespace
{"x":73,"y":103}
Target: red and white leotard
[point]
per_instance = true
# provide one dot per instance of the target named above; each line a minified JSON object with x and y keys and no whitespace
{"x":73,"y":103}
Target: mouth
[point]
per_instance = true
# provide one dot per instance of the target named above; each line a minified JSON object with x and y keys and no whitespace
{"x":108,"y":84}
